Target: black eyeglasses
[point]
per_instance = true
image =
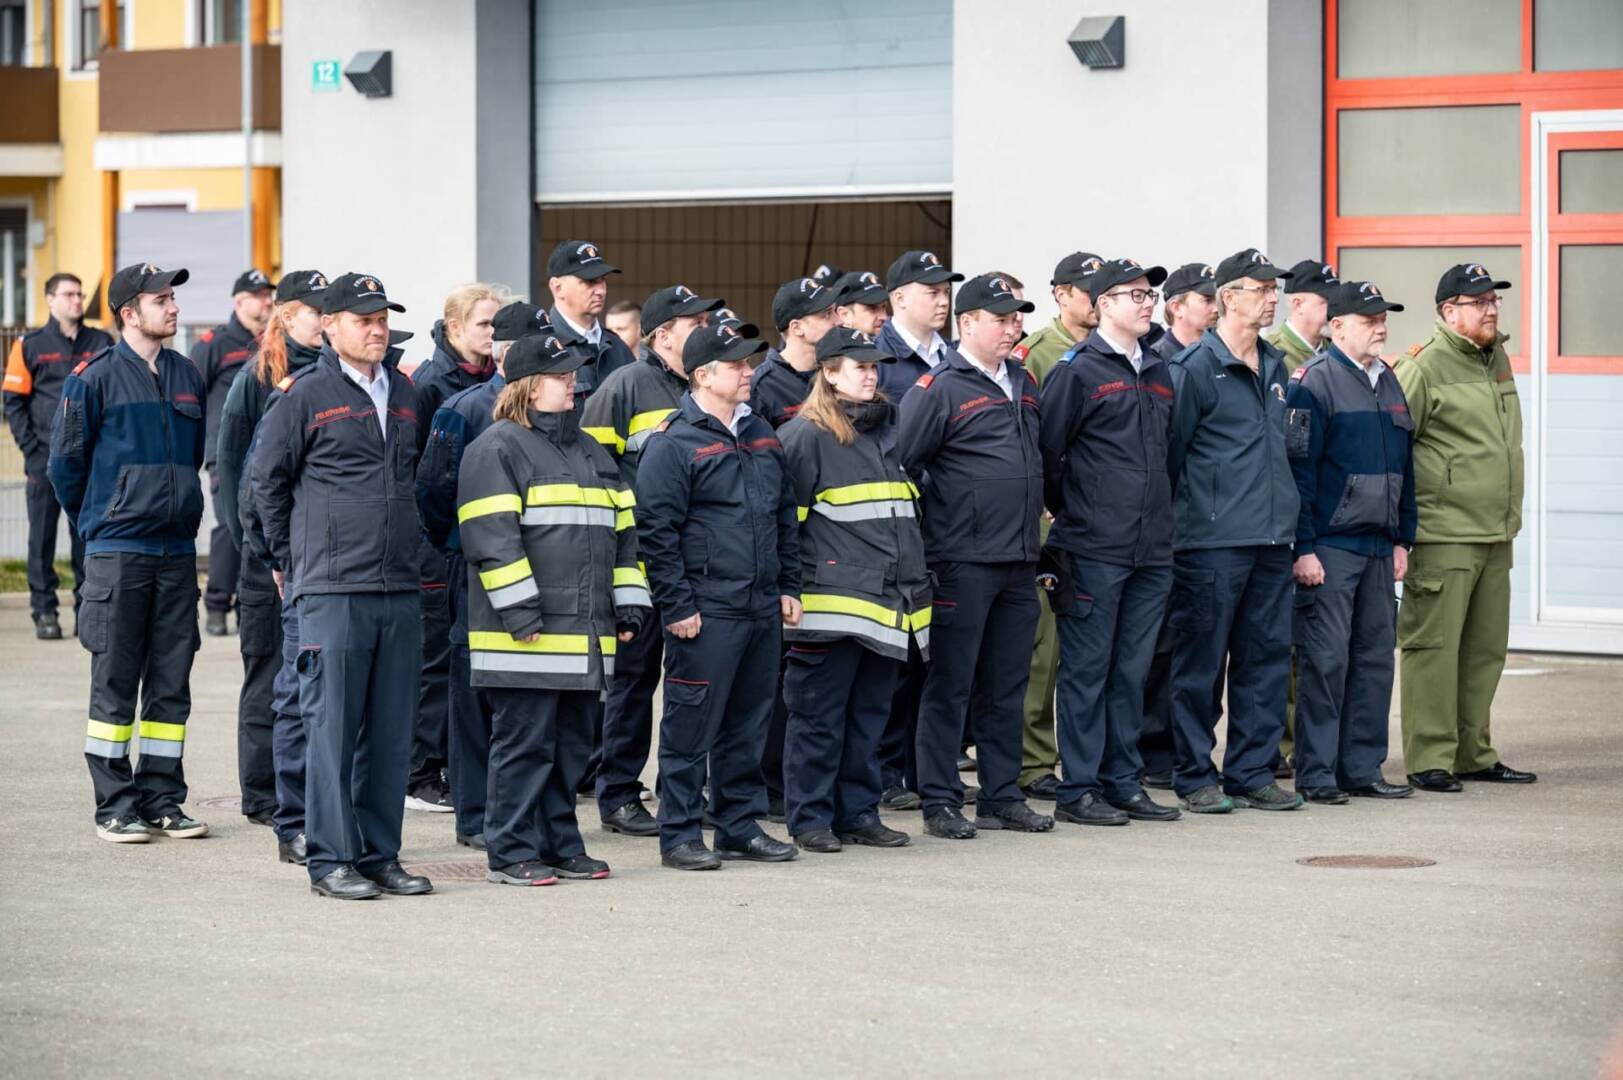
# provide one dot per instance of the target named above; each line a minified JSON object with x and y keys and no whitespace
{"x":1486,"y":303}
{"x":1137,"y":296}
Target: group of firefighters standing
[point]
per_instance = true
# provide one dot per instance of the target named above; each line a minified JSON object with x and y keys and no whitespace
{"x":847,"y":559}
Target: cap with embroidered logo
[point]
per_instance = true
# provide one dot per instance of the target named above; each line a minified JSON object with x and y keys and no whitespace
{"x":826,"y":274}
{"x":1249,"y":263}
{"x":1076,"y":268}
{"x":921,"y":266}
{"x":542,"y":354}
{"x":579,"y":258}
{"x":842,"y":342}
{"x":722,"y":343}
{"x":861,"y":287}
{"x":1195,"y":277}
{"x":306,"y":286}
{"x":1120,"y":272}
{"x":139,"y":278}
{"x":1358,"y":298}
{"x":361,"y":293}
{"x":798,"y":298}
{"x":1467,"y":279}
{"x":251,"y":280}
{"x":1313,"y":276}
{"x":673,"y":302}
{"x":517,"y":320}
{"x":990,"y":292}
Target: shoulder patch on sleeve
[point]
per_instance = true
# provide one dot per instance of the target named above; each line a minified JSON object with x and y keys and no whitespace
{"x":287,"y":381}
{"x":1414,"y":350}
{"x":206,"y":336}
{"x":923,"y":382}
{"x":1020,"y":352}
{"x":1300,"y":372}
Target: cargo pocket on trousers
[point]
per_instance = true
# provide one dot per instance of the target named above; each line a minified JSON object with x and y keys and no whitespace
{"x":1190,"y":611}
{"x":308,"y":665}
{"x":1421,"y":614}
{"x":258,"y":629}
{"x":1081,"y":606}
{"x":683,"y":726}
{"x":95,"y":613}
{"x":1304,"y":614}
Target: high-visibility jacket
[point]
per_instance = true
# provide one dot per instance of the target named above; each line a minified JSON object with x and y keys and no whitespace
{"x":861,"y":553}
{"x":551,"y":542}
{"x":629,"y":408}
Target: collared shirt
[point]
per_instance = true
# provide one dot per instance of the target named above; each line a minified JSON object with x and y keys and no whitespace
{"x":739,"y":413}
{"x":1287,"y":328}
{"x":1135,"y":356}
{"x":594,"y":336}
{"x":377,"y":389}
{"x":931,"y":352}
{"x":999,"y":375}
{"x":1374,"y":370}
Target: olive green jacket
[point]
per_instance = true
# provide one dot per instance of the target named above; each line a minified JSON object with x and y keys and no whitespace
{"x":1041,"y":349}
{"x":1297,"y":352}
{"x":1467,"y":439}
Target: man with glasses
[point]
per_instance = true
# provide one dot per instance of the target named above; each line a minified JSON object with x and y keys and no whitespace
{"x":1106,"y":418}
{"x":1454,"y":624}
{"x":1235,"y":509}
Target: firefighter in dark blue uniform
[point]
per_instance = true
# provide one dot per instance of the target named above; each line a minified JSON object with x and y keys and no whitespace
{"x":1350,"y":440}
{"x":719,"y":535}
{"x":36,"y":369}
{"x":629,"y":408}
{"x":332,"y":478}
{"x":125,"y":454}
{"x":920,"y":308}
{"x":861,"y":302}
{"x":577,"y":278}
{"x":460,"y":420}
{"x":269,"y":763}
{"x":220,"y":354}
{"x":968,"y":433}
{"x":1106,"y":419}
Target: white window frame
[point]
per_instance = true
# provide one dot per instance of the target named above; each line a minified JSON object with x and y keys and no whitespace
{"x":27,"y":205}
{"x":200,"y":24}
{"x":28,"y":36}
{"x":71,"y":10}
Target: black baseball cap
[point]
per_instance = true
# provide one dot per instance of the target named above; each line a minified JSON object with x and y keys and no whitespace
{"x":725,"y":341}
{"x":672,"y":303}
{"x":1191,"y":277}
{"x":990,"y":292}
{"x":303,"y":285}
{"x":728,"y":315}
{"x":1313,"y":276}
{"x":578,"y":258}
{"x":826,"y":274}
{"x":860,"y":287}
{"x":400,"y":337}
{"x":920,"y":266}
{"x":139,"y":278}
{"x":798,"y":298}
{"x":542,"y":354}
{"x":842,"y":341}
{"x":1466,"y":279}
{"x":1076,"y":268}
{"x":360,"y":293}
{"x":1249,"y":263}
{"x":251,"y":280}
{"x":1358,"y":298}
{"x":518,"y":319}
{"x":1120,"y":272}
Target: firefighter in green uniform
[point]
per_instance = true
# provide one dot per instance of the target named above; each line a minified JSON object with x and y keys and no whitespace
{"x":1454,"y":623}
{"x":1040,"y":351}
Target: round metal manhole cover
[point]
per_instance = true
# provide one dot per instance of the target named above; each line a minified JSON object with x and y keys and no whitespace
{"x":220,"y":802}
{"x":449,"y":870}
{"x":1367,"y":862}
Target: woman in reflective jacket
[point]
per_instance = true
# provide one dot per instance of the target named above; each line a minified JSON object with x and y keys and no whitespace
{"x":551,"y":546}
{"x":865,"y":590}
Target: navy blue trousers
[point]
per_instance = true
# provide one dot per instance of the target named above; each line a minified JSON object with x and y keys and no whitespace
{"x":360,"y":660}
{"x":1345,"y":632}
{"x":719,"y":689}
{"x":467,"y":712}
{"x":539,"y":743}
{"x":898,"y":745}
{"x":838,"y":694}
{"x":259,"y":637}
{"x":429,"y":753}
{"x":287,"y":733}
{"x":628,"y":717}
{"x":1106,"y":642}
{"x":1231,"y":609}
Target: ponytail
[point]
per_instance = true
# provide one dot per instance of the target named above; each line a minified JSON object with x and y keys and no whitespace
{"x":824,"y":409}
{"x":271,"y":365}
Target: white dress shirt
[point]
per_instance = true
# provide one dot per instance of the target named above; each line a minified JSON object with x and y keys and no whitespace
{"x":999,"y":375}
{"x":594,"y":336}
{"x":377,"y":389}
{"x":931,"y":352}
{"x":1135,"y":356}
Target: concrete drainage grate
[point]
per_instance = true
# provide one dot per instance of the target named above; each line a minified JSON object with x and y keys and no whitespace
{"x":1366,"y":862}
{"x":220,"y":802}
{"x":449,"y":869}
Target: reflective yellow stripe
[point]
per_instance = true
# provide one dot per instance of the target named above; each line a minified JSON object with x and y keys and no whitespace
{"x":645,"y":420}
{"x":625,"y":519}
{"x":490,"y":504}
{"x":608,"y":437}
{"x":99,"y":729}
{"x":850,"y":605}
{"x":630,"y":575}
{"x":495,"y":641}
{"x":802,"y":512}
{"x":151,"y":729}
{"x":625,"y":500}
{"x":569,"y":495}
{"x":918,"y":620}
{"x":607,"y":645}
{"x":643,"y":567}
{"x":505,"y":575}
{"x":855,"y":493}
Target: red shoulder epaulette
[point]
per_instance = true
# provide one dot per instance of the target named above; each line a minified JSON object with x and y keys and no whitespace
{"x":1300,"y":372}
{"x":924,"y":382}
{"x":80,"y":366}
{"x":1414,"y":350}
{"x":1021,"y":352}
{"x":287,"y":381}
{"x":206,"y":336}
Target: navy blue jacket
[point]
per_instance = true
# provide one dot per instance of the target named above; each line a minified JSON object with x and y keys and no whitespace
{"x":612,"y":354}
{"x":245,"y":406}
{"x":36,"y":371}
{"x":1104,"y":434}
{"x":335,"y":498}
{"x":777,"y":391}
{"x":441,"y":376}
{"x":462,"y":419}
{"x":1232,"y":481}
{"x":717,"y":519}
{"x":898,"y":378}
{"x":219,"y":355}
{"x":1351,"y":449}
{"x":975,"y":455}
{"x":1166,"y":345}
{"x":126,"y":449}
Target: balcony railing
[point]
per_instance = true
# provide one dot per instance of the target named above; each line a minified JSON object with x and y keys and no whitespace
{"x":180,"y":90}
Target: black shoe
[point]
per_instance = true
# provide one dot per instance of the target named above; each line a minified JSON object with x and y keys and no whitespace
{"x":632,"y":819}
{"x":215,"y":624}
{"x":1090,"y":809}
{"x":473,"y":840}
{"x":1284,"y":768}
{"x":1160,"y":781}
{"x":692,"y":855}
{"x":1328,"y":796}
{"x":1380,"y":789}
{"x":1440,"y":780}
{"x":581,"y":868}
{"x":346,"y":883}
{"x":1269,"y":796}
{"x":1045,"y":787}
{"x":899,"y":798}
{"x":966,"y":763}
{"x":1499,"y":773}
{"x":1207,"y":800}
{"x":775,"y":812}
{"x":396,"y":882}
{"x":949,"y":823}
{"x":1143,"y":808}
{"x":529,"y":872}
{"x":759,"y":848}
{"x":822,"y":841}
{"x":1015,"y":817}
{"x":46,"y":627}
{"x":875,"y":835}
{"x":295,"y":851}
{"x":261,"y":817}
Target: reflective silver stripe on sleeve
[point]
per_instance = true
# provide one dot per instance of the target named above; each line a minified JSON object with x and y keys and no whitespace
{"x":634,"y":442}
{"x":632,"y":596}
{"x":851,"y":624}
{"x":866,"y":511}
{"x":516,"y":593}
{"x":103,"y":749}
{"x":568,"y":515}
{"x":546,"y":663}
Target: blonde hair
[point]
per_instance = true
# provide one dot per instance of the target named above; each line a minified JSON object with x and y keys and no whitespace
{"x":459,"y":302}
{"x":513,"y":403}
{"x":824,"y":409}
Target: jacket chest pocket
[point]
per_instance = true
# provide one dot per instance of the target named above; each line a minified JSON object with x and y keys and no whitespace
{"x":188,"y":418}
{"x":765,"y":476}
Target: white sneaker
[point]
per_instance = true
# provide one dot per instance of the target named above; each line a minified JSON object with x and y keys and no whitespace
{"x":124,"y":830}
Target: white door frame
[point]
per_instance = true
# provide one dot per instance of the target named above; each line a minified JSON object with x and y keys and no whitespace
{"x":1553,"y":627}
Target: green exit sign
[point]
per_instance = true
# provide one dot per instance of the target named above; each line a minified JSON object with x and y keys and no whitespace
{"x":324,"y":75}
